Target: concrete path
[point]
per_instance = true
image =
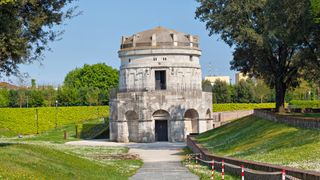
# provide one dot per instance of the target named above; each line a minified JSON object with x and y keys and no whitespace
{"x":161,"y":159}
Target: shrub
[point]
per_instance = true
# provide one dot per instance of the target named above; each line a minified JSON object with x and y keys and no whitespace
{"x":240,"y":106}
{"x":305,"y":103}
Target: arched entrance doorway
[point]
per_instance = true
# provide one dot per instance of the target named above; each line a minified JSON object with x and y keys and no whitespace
{"x":133,"y":125}
{"x":193,"y":115}
{"x":161,"y":118}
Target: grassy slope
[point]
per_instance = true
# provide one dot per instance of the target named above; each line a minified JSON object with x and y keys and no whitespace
{"x":43,"y":160}
{"x":26,"y":161}
{"x":57,"y":135}
{"x":257,"y":139}
{"x":23,"y":121}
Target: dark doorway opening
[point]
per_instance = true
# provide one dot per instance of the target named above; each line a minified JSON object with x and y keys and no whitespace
{"x":161,"y":130}
{"x":160,"y":77}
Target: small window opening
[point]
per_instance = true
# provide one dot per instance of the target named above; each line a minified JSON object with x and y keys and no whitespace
{"x":164,"y":58}
{"x":160,"y":78}
{"x":155,"y":59}
{"x":129,"y":60}
{"x":191,"y":58}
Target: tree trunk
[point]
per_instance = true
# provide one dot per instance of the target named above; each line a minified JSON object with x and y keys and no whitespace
{"x":280,"y":94}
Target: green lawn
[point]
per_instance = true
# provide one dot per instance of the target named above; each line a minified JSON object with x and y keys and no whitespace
{"x":56,"y":135}
{"x":261,"y":140}
{"x":23,"y":120}
{"x":35,"y":161}
{"x":44,"y":156}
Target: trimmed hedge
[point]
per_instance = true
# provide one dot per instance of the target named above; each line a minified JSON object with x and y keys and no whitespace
{"x":240,"y":106}
{"x":23,"y":120}
{"x":305,"y":103}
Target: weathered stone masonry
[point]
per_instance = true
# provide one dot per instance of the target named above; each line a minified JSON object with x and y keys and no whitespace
{"x":159,"y":96}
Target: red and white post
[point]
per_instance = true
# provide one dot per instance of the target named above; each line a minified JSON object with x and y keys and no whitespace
{"x":212,"y":169}
{"x":283,"y":174}
{"x":222,"y":170}
{"x":242,"y":172}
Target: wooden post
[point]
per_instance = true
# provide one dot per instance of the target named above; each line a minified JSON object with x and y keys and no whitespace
{"x":77,"y":131}
{"x":37,"y":121}
{"x":65,"y":135}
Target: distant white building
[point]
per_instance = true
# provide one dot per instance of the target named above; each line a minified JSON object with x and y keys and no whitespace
{"x":160,"y":97}
{"x":240,"y":76}
{"x":213,"y":79}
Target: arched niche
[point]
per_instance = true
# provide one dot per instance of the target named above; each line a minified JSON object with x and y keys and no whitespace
{"x":133,"y":125}
{"x":193,"y":116}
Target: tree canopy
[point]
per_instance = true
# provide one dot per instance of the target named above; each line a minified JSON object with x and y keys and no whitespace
{"x":26,"y":28}
{"x":273,"y":40}
{"x":316,"y":10}
{"x":92,"y":82}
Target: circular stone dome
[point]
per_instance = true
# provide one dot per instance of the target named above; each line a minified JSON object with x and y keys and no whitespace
{"x":160,"y":37}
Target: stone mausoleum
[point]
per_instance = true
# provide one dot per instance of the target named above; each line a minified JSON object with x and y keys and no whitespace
{"x":159,"y":97}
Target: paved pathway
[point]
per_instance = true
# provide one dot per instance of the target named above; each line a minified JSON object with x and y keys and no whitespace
{"x":161,"y":159}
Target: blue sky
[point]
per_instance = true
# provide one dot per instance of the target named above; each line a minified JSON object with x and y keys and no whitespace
{"x":95,"y":35}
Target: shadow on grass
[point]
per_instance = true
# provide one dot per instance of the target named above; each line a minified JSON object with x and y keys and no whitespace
{"x":5,"y":144}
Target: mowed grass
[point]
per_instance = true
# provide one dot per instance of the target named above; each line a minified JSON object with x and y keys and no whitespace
{"x":56,"y":135}
{"x":23,"y":120}
{"x":256,"y":139}
{"x":31,"y":161}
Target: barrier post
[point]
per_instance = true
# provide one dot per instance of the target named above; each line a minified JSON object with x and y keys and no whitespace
{"x":222,"y":170}
{"x":283,"y":174}
{"x":212,"y":169}
{"x":242,"y":172}
{"x":196,"y":159}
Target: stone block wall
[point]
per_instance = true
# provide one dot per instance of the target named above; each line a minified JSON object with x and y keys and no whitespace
{"x":310,"y":123}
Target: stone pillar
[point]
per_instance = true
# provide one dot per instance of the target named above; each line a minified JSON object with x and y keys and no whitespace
{"x":191,"y":40}
{"x":154,"y":40}
{"x":175,"y":39}
{"x":123,"y":134}
{"x":134,"y":39}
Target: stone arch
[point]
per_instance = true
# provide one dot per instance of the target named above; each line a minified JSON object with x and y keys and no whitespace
{"x":161,"y":115}
{"x":133,"y":125}
{"x":193,"y":115}
{"x":161,"y":123}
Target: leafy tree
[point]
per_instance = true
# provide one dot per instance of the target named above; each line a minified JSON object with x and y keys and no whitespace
{"x":315,"y":6}
{"x":273,"y":39}
{"x":36,"y":98}
{"x":26,"y":28}
{"x":96,"y":76}
{"x":261,"y":90}
{"x":206,"y":86}
{"x":4,"y":98}
{"x":220,"y":92}
{"x":68,"y":96}
{"x":244,"y":92}
{"x":13,"y":98}
{"x":33,"y":84}
{"x":21,"y":98}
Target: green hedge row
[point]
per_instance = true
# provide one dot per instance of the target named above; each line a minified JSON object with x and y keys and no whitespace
{"x":240,"y":106}
{"x":23,"y":120}
{"x":305,"y":104}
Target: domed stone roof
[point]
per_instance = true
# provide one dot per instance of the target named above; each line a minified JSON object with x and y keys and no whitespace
{"x":159,"y":37}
